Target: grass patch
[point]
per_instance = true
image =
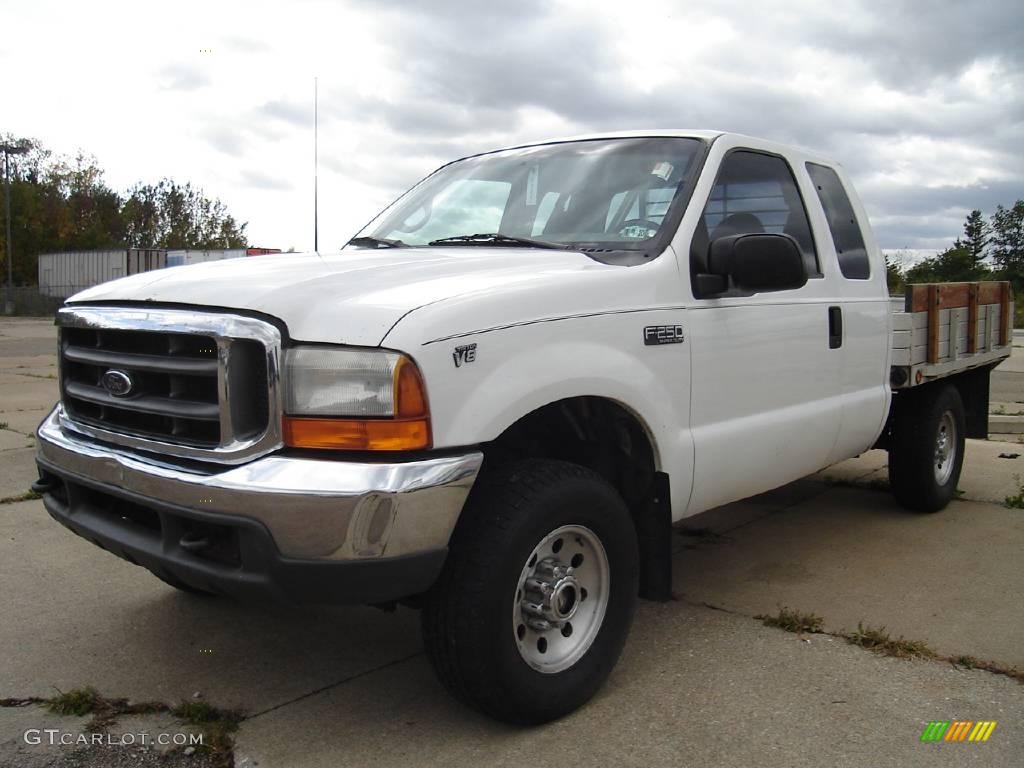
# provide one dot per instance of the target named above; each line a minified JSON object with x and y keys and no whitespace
{"x":879,"y":641}
{"x":27,"y":496}
{"x":793,"y":621}
{"x":40,"y":375}
{"x":970,"y":662}
{"x":217,"y":725}
{"x":1017,"y":500}
{"x":77,"y":701}
{"x":3,"y":425}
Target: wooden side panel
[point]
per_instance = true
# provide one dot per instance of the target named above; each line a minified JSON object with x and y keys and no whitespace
{"x":954,"y":294}
{"x":990,"y":293}
{"x":1004,"y":315}
{"x":934,"y":296}
{"x":972,"y":319}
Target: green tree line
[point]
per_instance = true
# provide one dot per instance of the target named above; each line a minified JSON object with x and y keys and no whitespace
{"x":989,"y":249}
{"x":62,"y":203}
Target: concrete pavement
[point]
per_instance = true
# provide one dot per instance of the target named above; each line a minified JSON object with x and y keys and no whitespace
{"x":696,"y":685}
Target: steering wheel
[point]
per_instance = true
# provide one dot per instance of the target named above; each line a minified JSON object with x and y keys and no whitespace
{"x":648,"y":224}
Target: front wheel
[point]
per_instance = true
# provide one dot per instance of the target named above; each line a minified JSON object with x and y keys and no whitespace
{"x":927,"y":451}
{"x":536,"y":599}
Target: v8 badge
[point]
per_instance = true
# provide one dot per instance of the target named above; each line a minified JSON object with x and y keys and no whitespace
{"x":464,"y":354}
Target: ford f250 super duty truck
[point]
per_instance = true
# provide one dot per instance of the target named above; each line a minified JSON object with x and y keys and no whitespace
{"x":497,"y":399}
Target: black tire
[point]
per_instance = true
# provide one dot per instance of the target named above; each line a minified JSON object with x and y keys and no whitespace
{"x":182,"y":586}
{"x":467,"y":616}
{"x":912,"y":455}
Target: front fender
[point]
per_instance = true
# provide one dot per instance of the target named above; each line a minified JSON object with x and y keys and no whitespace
{"x":517,"y":370}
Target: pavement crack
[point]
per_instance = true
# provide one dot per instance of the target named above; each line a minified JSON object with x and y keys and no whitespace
{"x":329,"y":686}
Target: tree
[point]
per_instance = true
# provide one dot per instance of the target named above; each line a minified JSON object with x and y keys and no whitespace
{"x":1008,"y":243}
{"x":171,"y":215}
{"x":64,"y":204}
{"x":894,"y":276}
{"x":976,"y":236}
{"x":950,"y":266}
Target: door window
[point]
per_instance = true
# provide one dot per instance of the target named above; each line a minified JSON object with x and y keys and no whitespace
{"x":754,"y":194}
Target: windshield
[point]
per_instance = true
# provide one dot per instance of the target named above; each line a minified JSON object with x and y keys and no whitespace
{"x":602,"y":194}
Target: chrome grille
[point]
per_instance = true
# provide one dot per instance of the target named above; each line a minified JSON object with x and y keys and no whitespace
{"x":172,"y":379}
{"x":198,"y":385}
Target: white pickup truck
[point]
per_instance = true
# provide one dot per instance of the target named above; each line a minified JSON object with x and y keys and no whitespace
{"x":496,"y":400}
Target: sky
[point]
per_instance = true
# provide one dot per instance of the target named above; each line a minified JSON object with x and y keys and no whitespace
{"x":922,"y":102}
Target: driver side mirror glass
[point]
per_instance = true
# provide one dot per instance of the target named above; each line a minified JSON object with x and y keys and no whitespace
{"x":755,"y":263}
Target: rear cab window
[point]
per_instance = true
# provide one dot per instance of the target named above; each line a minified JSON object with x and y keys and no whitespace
{"x":842,"y":222}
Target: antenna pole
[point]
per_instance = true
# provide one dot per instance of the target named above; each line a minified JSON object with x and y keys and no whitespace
{"x":316,"y":165}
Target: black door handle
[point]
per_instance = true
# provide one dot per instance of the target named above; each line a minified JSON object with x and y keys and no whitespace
{"x":835,"y":327}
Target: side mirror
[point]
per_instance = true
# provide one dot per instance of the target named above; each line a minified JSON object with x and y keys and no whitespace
{"x":755,"y":262}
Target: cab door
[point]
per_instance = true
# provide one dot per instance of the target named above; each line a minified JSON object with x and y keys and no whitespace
{"x":766,"y":370}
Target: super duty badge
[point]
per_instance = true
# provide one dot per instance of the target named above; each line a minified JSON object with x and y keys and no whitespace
{"x":663,"y":334}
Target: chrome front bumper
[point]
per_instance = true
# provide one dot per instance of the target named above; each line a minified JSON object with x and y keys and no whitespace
{"x":313,"y":509}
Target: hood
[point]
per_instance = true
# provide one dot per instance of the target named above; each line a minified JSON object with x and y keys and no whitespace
{"x":351,"y":297}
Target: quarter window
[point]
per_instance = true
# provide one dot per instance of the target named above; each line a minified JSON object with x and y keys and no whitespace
{"x":842,"y":222}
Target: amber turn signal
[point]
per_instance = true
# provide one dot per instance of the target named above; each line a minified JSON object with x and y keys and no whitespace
{"x":357,"y":434}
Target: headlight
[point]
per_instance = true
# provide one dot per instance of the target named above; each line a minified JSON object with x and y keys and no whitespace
{"x":357,"y":399}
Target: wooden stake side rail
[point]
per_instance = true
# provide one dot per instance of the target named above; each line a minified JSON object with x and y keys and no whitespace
{"x":949,"y":327}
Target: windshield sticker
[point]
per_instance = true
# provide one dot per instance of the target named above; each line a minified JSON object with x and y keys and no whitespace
{"x":531,"y":185}
{"x":637,"y":232}
{"x":663,"y":170}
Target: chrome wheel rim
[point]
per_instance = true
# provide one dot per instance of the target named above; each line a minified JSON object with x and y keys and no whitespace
{"x":561,"y":599}
{"x":945,"y":448}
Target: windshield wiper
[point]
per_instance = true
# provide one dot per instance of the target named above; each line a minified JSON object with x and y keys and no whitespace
{"x":375,"y":242}
{"x":496,"y":238}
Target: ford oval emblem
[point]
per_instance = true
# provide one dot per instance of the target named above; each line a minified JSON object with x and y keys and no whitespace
{"x":117,"y":383}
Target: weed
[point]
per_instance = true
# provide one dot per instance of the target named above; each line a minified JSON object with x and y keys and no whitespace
{"x":967,"y":662}
{"x":77,"y":701}
{"x":793,"y":621}
{"x":217,"y":724}
{"x":1017,"y":500}
{"x":39,"y":375}
{"x":27,"y":496}
{"x":3,"y":425}
{"x":195,"y":712}
{"x":879,"y":641}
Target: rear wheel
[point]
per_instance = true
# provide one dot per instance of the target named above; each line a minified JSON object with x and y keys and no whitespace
{"x":536,"y":599}
{"x":927,"y":451}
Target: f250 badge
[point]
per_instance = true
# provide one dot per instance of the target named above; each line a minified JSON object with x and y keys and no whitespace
{"x":464,"y":354}
{"x":663,"y":334}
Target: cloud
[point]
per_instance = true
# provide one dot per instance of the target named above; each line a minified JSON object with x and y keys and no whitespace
{"x":910,"y":97}
{"x":247,"y":45}
{"x":261,"y":180}
{"x":225,"y":140}
{"x":179,"y":77}
{"x":922,"y":102}
{"x":291,"y":112}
